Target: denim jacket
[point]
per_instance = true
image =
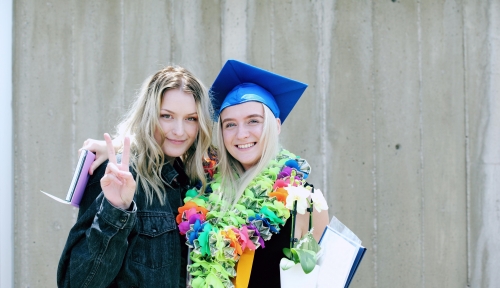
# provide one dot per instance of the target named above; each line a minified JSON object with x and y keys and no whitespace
{"x":111,"y":247}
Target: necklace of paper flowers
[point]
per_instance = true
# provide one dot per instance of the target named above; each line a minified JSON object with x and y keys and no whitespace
{"x":217,"y":236}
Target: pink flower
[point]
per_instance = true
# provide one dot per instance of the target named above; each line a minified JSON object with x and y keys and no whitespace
{"x":279,"y":184}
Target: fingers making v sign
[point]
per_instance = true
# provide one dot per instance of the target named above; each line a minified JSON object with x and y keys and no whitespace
{"x":118,"y":184}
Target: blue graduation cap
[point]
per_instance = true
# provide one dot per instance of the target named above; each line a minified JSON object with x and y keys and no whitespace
{"x":239,"y":82}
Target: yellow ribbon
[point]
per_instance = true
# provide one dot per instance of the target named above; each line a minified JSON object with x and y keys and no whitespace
{"x":244,"y":269}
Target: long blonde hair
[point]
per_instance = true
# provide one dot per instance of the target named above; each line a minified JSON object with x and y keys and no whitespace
{"x":234,"y":178}
{"x":142,"y":120}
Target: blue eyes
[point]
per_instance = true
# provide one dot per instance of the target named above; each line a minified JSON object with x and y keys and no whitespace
{"x":233,"y":124}
{"x":168,"y":116}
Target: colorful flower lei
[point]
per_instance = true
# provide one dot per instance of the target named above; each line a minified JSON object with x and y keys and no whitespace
{"x":218,"y":238}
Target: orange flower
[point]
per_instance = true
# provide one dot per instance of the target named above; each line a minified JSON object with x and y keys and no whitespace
{"x":280,"y":194}
{"x":233,"y":238}
{"x":209,"y":167}
{"x":187,"y":206}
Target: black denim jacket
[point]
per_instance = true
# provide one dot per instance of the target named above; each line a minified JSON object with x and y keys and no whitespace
{"x":110,"y":247}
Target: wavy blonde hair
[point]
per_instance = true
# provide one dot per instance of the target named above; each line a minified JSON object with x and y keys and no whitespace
{"x":142,"y":120}
{"x":234,"y":179}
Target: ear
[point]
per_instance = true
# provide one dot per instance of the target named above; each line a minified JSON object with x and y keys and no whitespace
{"x":278,"y":122}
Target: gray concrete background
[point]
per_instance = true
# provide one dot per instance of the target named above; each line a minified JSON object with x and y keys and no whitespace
{"x":400,"y":122}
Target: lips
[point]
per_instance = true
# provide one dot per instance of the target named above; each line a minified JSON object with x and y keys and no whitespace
{"x":244,"y":146}
{"x":174,"y":141}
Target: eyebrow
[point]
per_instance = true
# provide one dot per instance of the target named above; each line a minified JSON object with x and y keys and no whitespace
{"x":172,"y":112}
{"x":247,"y":117}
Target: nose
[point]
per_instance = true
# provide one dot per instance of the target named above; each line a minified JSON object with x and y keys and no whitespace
{"x":178,"y":128}
{"x":242,"y":132}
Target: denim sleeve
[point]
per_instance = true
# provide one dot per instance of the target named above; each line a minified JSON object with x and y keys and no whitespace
{"x":96,"y":245}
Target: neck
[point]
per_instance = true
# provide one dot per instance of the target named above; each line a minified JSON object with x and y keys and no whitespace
{"x":170,"y":160}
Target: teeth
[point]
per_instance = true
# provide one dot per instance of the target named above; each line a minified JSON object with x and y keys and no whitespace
{"x":246,"y":145}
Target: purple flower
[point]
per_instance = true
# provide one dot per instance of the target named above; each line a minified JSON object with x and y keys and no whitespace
{"x":285,"y":172}
{"x":185,"y":226}
{"x":261,"y":241}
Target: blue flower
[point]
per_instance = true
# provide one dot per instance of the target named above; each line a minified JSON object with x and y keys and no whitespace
{"x":197,"y":228}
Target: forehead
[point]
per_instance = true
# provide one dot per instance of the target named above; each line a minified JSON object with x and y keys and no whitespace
{"x":243,"y":110}
{"x":178,"y":100}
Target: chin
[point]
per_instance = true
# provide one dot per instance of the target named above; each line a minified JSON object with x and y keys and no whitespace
{"x":247,"y":163}
{"x":174,"y":152}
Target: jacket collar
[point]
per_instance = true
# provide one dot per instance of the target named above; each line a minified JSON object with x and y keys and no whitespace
{"x":169,"y":172}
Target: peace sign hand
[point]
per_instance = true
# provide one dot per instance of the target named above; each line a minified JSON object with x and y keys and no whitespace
{"x":118,"y":184}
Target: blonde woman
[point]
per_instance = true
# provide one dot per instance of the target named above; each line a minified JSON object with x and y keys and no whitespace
{"x":126,"y":235}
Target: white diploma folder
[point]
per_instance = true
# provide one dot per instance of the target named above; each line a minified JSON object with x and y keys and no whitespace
{"x":341,"y":254}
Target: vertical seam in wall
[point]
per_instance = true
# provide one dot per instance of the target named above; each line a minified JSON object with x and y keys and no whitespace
{"x":247,"y":44}
{"x":122,"y":49}
{"x":221,"y":44}
{"x":172,"y":31}
{"x":421,"y":128}
{"x":374,"y":153}
{"x":24,"y":246}
{"x":323,"y":99}
{"x":74,"y":212}
{"x":272,"y":36}
{"x":467,"y":147}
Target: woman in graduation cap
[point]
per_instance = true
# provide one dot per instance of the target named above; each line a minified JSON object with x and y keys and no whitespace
{"x":242,"y":226}
{"x":126,"y":235}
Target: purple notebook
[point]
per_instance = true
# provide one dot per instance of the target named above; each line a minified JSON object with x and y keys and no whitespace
{"x":79,"y":181}
{"x":80,"y":178}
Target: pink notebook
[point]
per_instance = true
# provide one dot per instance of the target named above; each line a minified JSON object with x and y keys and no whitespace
{"x":79,"y":181}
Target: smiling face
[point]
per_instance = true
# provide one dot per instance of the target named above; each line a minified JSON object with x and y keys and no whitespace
{"x":242,"y":127}
{"x":178,"y":121}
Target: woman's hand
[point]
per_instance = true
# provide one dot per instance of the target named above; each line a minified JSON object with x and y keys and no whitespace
{"x":100,"y":150}
{"x":118,"y":184}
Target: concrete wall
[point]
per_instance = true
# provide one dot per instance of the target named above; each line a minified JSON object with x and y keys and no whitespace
{"x":400,"y":121}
